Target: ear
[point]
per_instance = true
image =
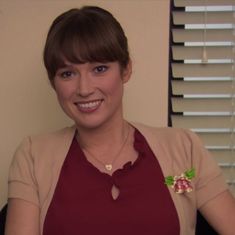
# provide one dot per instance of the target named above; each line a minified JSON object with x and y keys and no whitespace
{"x":126,"y":74}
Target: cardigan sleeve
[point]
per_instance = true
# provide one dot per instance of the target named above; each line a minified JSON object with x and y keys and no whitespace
{"x":22,"y":183}
{"x":209,"y":179}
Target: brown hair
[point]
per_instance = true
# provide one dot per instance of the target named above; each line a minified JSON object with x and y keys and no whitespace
{"x":88,"y":34}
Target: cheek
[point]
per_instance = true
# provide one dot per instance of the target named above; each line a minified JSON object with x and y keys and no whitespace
{"x":115,"y":86}
{"x":63,"y":92}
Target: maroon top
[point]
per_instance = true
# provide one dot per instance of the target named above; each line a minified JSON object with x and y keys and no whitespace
{"x":82,"y":203}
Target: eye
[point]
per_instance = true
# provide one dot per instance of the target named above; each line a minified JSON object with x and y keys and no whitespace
{"x":65,"y":74}
{"x":100,"y":69}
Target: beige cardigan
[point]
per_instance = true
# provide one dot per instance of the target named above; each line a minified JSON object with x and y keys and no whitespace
{"x":36,"y":166}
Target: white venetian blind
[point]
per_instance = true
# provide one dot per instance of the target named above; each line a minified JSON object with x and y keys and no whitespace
{"x":202,"y":75}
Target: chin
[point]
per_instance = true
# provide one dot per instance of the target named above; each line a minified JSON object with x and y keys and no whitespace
{"x":94,"y":121}
{"x":89,"y":124}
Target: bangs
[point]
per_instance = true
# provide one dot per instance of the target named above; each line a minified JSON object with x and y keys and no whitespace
{"x":84,"y":47}
{"x":90,"y":43}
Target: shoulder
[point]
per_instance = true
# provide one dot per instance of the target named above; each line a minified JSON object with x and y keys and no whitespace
{"x":40,"y":153}
{"x":53,"y":137}
{"x":45,"y":145}
{"x":49,"y":139}
{"x":168,"y":135}
{"x":180,"y":147}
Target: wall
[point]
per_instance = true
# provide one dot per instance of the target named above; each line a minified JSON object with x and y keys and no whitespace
{"x":28,"y":104}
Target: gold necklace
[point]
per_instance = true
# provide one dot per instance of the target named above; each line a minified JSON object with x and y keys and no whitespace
{"x":109,"y":166}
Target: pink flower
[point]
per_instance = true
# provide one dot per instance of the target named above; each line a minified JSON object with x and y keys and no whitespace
{"x":181,"y":183}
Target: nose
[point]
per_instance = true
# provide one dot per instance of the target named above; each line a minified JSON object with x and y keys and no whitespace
{"x":84,"y":86}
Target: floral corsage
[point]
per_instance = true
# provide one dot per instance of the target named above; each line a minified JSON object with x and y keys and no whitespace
{"x":181,"y":183}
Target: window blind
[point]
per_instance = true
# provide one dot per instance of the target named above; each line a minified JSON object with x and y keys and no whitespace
{"x":202,"y":75}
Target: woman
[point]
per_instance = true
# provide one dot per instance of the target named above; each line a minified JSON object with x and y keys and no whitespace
{"x":105,"y":175}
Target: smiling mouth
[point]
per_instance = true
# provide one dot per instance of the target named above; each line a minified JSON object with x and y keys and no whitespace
{"x":89,"y":106}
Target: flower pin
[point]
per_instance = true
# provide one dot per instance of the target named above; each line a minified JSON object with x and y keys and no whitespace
{"x":181,"y":183}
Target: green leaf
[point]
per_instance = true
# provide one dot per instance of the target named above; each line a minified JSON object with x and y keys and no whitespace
{"x":190,"y":173}
{"x":169,"y":180}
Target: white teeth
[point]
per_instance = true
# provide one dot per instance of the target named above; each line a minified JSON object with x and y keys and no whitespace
{"x":89,"y":105}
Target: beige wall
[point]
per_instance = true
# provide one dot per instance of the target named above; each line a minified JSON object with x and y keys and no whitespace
{"x":28,"y":104}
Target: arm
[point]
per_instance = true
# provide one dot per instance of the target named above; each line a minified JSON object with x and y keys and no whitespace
{"x":22,"y":218}
{"x":23,"y":204}
{"x":220,"y":213}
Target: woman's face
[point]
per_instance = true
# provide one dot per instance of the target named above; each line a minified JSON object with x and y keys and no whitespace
{"x":91,"y":93}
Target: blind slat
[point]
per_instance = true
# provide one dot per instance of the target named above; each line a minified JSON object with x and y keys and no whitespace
{"x":202,"y":104}
{"x":197,"y":35}
{"x":202,"y":70}
{"x":192,"y":122}
{"x":181,"y":18}
{"x":184,"y":3}
{"x":213,"y":139}
{"x":229,"y":173}
{"x":196,"y":52}
{"x":201,"y":87}
{"x":222,"y":155}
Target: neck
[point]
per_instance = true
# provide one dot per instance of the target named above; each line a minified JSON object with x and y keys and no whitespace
{"x":103,"y":137}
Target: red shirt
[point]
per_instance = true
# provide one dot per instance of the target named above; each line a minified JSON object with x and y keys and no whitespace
{"x":82,"y":203}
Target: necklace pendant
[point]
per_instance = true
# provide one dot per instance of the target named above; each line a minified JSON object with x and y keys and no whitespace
{"x":108,"y":167}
